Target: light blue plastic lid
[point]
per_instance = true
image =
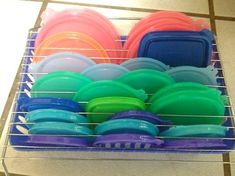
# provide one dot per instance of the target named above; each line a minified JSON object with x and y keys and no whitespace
{"x":63,"y":61}
{"x":104,"y":71}
{"x":207,"y":76}
{"x":144,"y":63}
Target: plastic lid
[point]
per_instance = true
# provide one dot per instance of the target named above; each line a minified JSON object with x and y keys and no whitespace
{"x":144,"y":63}
{"x":57,"y":141}
{"x":76,"y":20}
{"x":59,"y":84}
{"x":54,"y":115}
{"x":100,"y":109}
{"x":75,"y":42}
{"x":64,"y":61}
{"x":59,"y":128}
{"x":194,"y":144}
{"x":31,"y":104}
{"x":146,"y":79}
{"x":120,"y":126}
{"x":107,"y":89}
{"x":196,"y":131}
{"x":186,"y":48}
{"x":104,"y":71}
{"x":190,"y":107}
{"x":142,"y":115}
{"x":205,"y":76}
{"x":127,"y":141}
{"x":178,"y":87}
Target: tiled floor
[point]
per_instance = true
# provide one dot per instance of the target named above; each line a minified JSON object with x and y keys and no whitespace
{"x":207,"y":165}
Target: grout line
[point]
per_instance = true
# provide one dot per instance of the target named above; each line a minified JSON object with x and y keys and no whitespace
{"x":225,"y":156}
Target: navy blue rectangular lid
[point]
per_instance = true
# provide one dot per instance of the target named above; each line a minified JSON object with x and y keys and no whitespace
{"x":177,"y":48}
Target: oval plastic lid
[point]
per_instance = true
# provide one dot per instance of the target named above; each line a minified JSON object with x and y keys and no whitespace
{"x":102,"y":108}
{"x":144,"y":63}
{"x":130,"y":126}
{"x":186,"y":48}
{"x":63,"y":61}
{"x":205,"y":76}
{"x":104,"y":72}
{"x":59,"y":84}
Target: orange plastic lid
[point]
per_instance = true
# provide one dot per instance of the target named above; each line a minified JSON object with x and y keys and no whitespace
{"x":73,"y":42}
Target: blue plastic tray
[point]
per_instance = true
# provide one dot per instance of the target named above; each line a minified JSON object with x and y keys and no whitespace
{"x":177,"y":48}
{"x":19,"y":141}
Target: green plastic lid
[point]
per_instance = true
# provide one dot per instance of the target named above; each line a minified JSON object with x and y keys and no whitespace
{"x":107,"y":89}
{"x":177,"y":87}
{"x":100,"y":109}
{"x":146,"y":79}
{"x":183,"y":107}
{"x":59,"y":84}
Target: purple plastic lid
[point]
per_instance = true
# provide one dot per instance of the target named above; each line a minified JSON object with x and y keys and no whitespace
{"x":194,"y":143}
{"x":142,"y":115}
{"x":58,"y":141}
{"x":127,"y":141}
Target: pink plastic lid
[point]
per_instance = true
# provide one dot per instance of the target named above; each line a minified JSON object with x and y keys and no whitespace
{"x":74,"y":20}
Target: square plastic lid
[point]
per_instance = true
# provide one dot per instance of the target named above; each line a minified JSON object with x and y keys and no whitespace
{"x":177,"y":48}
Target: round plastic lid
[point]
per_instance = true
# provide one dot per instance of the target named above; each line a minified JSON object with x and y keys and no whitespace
{"x":59,"y":84}
{"x":120,"y":126}
{"x":64,"y":61}
{"x":104,"y":71}
{"x":54,"y":115}
{"x":59,"y":128}
{"x":144,"y":63}
{"x":108,"y":88}
{"x":74,"y":42}
{"x":147,"y":79}
{"x":205,"y":76}
{"x":196,"y":131}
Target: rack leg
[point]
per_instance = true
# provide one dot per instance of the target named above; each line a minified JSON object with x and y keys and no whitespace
{"x":226,"y":164}
{"x":5,"y":168}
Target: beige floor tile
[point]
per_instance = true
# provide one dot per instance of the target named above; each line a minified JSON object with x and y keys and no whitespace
{"x":198,"y":6}
{"x":224,"y":7}
{"x":226,"y":43}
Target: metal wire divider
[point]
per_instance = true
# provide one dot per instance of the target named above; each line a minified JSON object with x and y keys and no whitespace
{"x":29,"y":81}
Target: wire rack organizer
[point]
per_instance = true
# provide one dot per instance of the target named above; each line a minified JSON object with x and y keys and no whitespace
{"x":16,"y":130}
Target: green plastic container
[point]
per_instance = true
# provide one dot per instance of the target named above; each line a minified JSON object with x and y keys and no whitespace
{"x":59,"y":84}
{"x":100,"y":109}
{"x":146,"y":79}
{"x":108,"y":89}
{"x":182,"y":107}
{"x":177,"y":87}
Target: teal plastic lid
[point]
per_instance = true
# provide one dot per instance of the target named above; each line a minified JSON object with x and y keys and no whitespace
{"x":196,"y":131}
{"x":120,"y":126}
{"x":54,"y":115}
{"x":149,"y":80}
{"x":59,"y":85}
{"x":59,"y":128}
